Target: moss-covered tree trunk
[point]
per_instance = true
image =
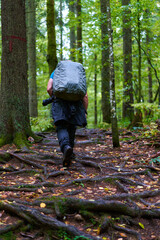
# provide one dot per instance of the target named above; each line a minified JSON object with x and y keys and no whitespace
{"x":51,"y":55}
{"x":14,"y":117}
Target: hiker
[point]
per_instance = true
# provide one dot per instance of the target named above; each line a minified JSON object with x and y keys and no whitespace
{"x":67,"y":116}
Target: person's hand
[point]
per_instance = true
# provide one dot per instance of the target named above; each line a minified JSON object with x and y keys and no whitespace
{"x":50,"y":87}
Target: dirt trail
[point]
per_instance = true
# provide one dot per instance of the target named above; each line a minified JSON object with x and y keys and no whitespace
{"x":105,"y":194}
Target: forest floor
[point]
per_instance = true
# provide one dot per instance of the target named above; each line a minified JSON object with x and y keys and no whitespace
{"x":106,"y":193}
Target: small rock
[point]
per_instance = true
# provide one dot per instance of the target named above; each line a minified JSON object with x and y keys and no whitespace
{"x":78,"y":217}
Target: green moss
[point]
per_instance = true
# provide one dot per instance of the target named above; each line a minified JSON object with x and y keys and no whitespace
{"x":63,"y":235}
{"x":20,"y":140}
{"x":4,"y":157}
{"x":8,"y":236}
{"x":5,"y":139}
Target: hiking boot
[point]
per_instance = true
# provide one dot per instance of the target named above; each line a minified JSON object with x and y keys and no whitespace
{"x":67,"y":156}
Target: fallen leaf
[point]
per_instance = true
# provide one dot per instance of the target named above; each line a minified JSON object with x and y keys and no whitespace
{"x":141,"y":225}
{"x":42,"y":205}
{"x":40,"y":191}
{"x":139,"y":186}
{"x":89,"y":229}
{"x":123,"y":235}
{"x":98,"y":231}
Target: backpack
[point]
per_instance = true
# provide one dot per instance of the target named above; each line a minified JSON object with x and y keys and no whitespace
{"x":69,"y":81}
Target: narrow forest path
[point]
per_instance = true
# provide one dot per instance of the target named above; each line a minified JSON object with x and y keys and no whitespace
{"x":105,"y":194}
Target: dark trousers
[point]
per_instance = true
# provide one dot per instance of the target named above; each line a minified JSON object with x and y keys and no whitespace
{"x":66,"y":134}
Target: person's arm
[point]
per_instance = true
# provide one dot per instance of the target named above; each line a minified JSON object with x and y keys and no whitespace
{"x":85,"y":102}
{"x":50,"y":87}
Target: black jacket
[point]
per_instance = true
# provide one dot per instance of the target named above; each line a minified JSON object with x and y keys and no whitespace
{"x":72,"y":112}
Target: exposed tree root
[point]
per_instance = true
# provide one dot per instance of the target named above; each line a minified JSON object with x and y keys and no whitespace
{"x":11,"y":227}
{"x":113,"y":207}
{"x":36,"y":218}
{"x":128,"y":231}
{"x":27,"y":161}
{"x":66,"y":205}
{"x":144,"y":194}
{"x":111,"y":190}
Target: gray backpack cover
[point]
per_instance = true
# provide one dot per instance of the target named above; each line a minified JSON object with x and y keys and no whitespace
{"x":69,"y":81}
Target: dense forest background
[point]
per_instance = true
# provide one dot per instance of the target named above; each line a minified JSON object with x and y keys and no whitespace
{"x":111,"y":190}
{"x":135,"y":34}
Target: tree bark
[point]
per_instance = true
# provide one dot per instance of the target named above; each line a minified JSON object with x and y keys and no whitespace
{"x":35,"y":217}
{"x":61,"y":29}
{"x":148,"y":41}
{"x":128,"y":110}
{"x":105,"y":72}
{"x":51,"y":56}
{"x":139,"y":54}
{"x":95,"y":91}
{"x":31,"y":40}
{"x":72,"y":30}
{"x":14,"y":108}
{"x":79,"y":32}
{"x":115,"y":134}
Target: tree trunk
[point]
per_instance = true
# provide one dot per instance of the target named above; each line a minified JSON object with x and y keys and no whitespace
{"x":148,"y":41}
{"x":79,"y":32}
{"x":105,"y":75}
{"x":14,"y":107}
{"x":139,"y":114}
{"x":115,"y":134}
{"x":139,"y":56}
{"x":128,"y":110}
{"x":137,"y":121}
{"x":61,"y":29}
{"x":95,"y":92}
{"x":51,"y":56}
{"x":31,"y":40}
{"x":72,"y":30}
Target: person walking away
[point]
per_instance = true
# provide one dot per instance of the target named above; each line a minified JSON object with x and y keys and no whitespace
{"x":67,"y":115}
